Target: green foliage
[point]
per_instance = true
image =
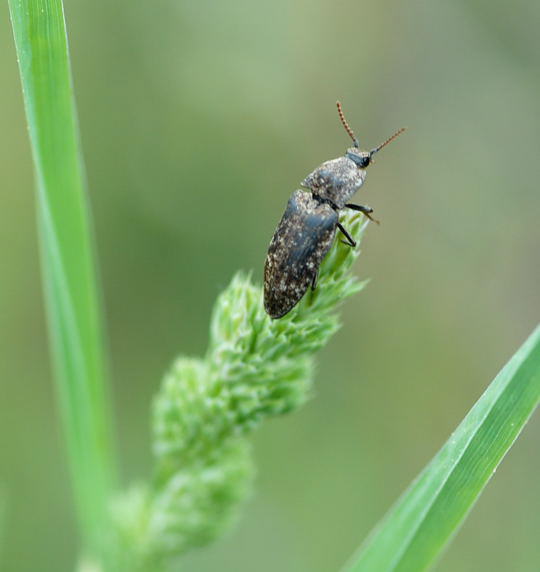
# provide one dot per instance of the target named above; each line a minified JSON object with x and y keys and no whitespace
{"x":416,"y":530}
{"x":255,"y":368}
{"x":68,"y":269}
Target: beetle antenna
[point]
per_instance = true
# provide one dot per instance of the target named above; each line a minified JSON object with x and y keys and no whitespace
{"x":346,"y":125}
{"x":389,"y":140}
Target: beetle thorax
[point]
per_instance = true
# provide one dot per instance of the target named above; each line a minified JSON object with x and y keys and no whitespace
{"x":336,"y":180}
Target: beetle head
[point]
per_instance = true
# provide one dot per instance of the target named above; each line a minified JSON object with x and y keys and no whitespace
{"x":362,"y":158}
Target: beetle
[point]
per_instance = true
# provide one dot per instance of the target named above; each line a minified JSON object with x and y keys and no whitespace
{"x":308,"y":226}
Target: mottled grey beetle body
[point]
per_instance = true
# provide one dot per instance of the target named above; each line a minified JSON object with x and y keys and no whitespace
{"x":302,"y":239}
{"x":308,"y":226}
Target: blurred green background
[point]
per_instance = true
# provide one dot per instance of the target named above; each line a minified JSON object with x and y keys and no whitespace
{"x":198,"y":120}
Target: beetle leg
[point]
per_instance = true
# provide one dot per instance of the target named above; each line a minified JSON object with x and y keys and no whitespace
{"x":314,"y":280}
{"x":350,"y":241}
{"x":366,"y":211}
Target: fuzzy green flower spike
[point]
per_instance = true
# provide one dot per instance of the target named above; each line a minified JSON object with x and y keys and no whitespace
{"x":255,"y":368}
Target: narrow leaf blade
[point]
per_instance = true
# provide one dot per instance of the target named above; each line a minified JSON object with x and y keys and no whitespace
{"x":71,"y":295}
{"x":422,"y":522}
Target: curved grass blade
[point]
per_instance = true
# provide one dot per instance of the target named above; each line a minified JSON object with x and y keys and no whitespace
{"x":419,"y":526}
{"x":74,"y":316}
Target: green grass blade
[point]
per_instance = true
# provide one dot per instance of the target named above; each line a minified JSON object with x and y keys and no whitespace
{"x":418,"y":527}
{"x":72,"y":300}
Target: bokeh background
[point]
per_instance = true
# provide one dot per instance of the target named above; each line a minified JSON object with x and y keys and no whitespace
{"x":198,"y":120}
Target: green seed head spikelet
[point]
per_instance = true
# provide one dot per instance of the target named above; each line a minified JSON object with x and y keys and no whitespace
{"x":255,"y":367}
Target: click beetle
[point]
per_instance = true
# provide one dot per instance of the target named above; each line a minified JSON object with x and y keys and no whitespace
{"x":308,"y":226}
